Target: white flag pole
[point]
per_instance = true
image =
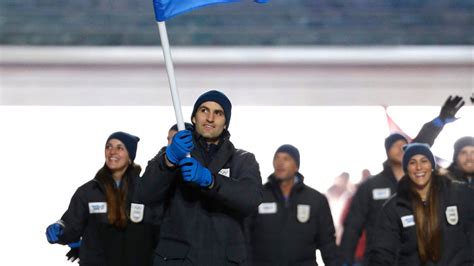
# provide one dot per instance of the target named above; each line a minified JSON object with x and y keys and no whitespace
{"x":170,"y":70}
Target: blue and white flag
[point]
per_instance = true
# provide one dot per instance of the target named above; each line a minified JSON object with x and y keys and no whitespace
{"x":166,"y":9}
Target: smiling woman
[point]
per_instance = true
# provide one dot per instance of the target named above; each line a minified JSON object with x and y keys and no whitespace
{"x":419,"y":171}
{"x":419,"y":164}
{"x":411,"y":229}
{"x":116,"y":158}
{"x":104,"y":216}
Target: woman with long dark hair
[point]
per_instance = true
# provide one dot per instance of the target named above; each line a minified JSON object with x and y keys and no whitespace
{"x":428,"y":220}
{"x":112,"y":226}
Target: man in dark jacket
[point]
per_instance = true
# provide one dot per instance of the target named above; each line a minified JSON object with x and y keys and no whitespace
{"x":293,"y":221}
{"x":462,"y":167}
{"x":207,"y":196}
{"x":370,"y":196}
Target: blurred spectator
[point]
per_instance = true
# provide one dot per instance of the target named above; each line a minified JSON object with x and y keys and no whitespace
{"x":359,"y":253}
{"x":337,"y":195}
{"x":462,"y":167}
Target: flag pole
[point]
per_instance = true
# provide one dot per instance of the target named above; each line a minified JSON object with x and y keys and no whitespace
{"x":170,"y":70}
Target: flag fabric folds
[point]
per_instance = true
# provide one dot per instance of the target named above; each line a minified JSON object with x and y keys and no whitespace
{"x":166,"y":9}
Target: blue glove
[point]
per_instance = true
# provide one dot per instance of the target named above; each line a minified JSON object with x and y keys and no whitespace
{"x":73,"y":253}
{"x":53,"y":232}
{"x":193,"y":171}
{"x":181,"y":146}
{"x":75,"y":244}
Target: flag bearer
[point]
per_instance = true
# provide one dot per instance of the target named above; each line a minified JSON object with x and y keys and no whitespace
{"x":207,"y":195}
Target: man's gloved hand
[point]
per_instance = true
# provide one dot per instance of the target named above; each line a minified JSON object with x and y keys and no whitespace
{"x":73,"y":253}
{"x":75,"y":244}
{"x":450,"y":108}
{"x":53,"y":232}
{"x":181,"y":145}
{"x":193,"y":171}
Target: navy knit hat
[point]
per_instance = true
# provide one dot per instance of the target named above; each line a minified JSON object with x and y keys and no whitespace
{"x":292,"y":151}
{"x":130,"y":141}
{"x":390,"y":140}
{"x":218,"y":97}
{"x":413,"y":149}
{"x":187,"y":126}
{"x":460,"y":144}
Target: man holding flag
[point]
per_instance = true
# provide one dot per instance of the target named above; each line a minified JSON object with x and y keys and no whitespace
{"x":164,"y":10}
{"x":207,"y":186}
{"x":208,"y":195}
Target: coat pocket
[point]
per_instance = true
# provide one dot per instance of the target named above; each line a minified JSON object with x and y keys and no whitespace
{"x":236,"y":254}
{"x":170,"y":249}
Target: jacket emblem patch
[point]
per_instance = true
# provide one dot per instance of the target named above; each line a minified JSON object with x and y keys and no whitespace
{"x":452,"y":215}
{"x":136,"y":212}
{"x":225,"y":172}
{"x":303,"y":212}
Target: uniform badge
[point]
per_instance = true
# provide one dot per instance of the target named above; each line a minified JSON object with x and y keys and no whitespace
{"x":267,"y":208}
{"x":97,"y":207}
{"x":452,"y":215}
{"x":225,"y":172}
{"x":303,"y":212}
{"x":408,"y":221}
{"x":136,"y":212}
{"x":381,"y":193}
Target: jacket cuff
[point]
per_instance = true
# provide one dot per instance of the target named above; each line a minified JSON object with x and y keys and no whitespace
{"x":62,"y":223}
{"x":213,"y":188}
{"x":438,"y":122}
{"x":164,"y":165}
{"x":212,"y":182}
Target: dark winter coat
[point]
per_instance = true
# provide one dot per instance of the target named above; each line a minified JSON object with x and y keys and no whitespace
{"x":454,"y":173}
{"x":104,"y":244}
{"x":364,"y":208}
{"x":203,"y":226}
{"x":369,"y":198}
{"x":395,"y":241}
{"x":288,"y":232}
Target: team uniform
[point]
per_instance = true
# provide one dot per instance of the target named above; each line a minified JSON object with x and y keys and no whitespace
{"x":104,"y":244}
{"x":286,"y":232}
{"x":396,"y":240}
{"x":204,"y":226}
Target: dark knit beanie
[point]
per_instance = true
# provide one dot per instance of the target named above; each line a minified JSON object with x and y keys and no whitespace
{"x":390,"y":140}
{"x":413,"y":149}
{"x":130,"y":141}
{"x":218,"y":97}
{"x":292,"y":151}
{"x":460,"y":144}
{"x":187,"y":126}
